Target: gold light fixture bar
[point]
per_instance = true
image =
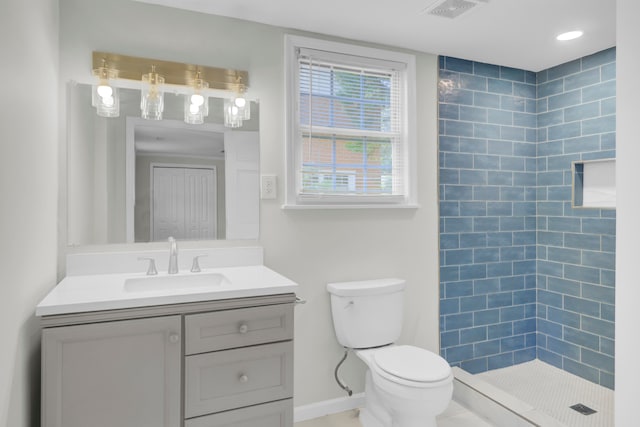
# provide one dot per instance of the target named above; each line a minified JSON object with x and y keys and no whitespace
{"x":174,"y":73}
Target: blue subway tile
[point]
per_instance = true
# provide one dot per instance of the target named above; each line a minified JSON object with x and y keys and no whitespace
{"x":550,"y":88}
{"x":598,"y":293}
{"x":607,"y":277}
{"x":448,"y":274}
{"x":458,"y":321}
{"x":563,"y":224}
{"x":525,"y":90}
{"x":514,"y":253}
{"x":473,"y":303}
{"x":524,"y":355}
{"x":448,"y":339}
{"x":550,"y":298}
{"x":500,"y":269}
{"x":608,"y":72}
{"x":527,"y":149}
{"x":582,"y":274}
{"x":514,"y":74}
{"x":565,"y":99}
{"x":512,"y":103}
{"x":500,"y":361}
{"x":486,"y":255}
{"x":488,"y":162}
{"x":449,"y":111}
{"x":511,"y":223}
{"x":526,"y":120}
{"x":486,"y":224}
{"x":563,"y":70}
{"x":550,"y":357}
{"x":549,"y":328}
{"x":473,"y":240}
{"x":473,"y":114}
{"x":489,"y":100}
{"x":487,"y":348}
{"x":486,"y":317}
{"x":515,"y":312}
{"x":563,"y":317}
{"x":458,"y":289}
{"x":512,"y":133}
{"x":449,"y":306}
{"x":563,"y":286}
{"x":559,"y":192}
{"x":598,"y":327}
{"x":599,"y":58}
{"x":473,"y":272}
{"x":509,"y":163}
{"x":512,"y":194}
{"x":457,"y":96}
{"x":511,"y":283}
{"x":501,"y":299}
{"x":549,"y":149}
{"x":581,"y":305}
{"x":582,"y":112}
{"x":456,"y":128}
{"x":599,"y":91}
{"x":563,"y":348}
{"x":582,"y":241}
{"x":473,"y":145}
{"x":499,"y":208}
{"x":562,"y":131}
{"x":449,"y":176}
{"x":500,"y":86}
{"x":525,"y":267}
{"x":512,"y":343}
{"x":471,"y":82}
{"x":500,"y":330}
{"x":550,"y":118}
{"x":598,"y":360}
{"x":458,"y":160}
{"x":599,"y":260}
{"x":458,"y":256}
{"x":608,"y":106}
{"x":607,"y":346}
{"x":458,"y":192}
{"x":581,"y":370}
{"x":599,"y":125}
{"x":524,"y":326}
{"x":584,"y":78}
{"x":524,"y":179}
{"x":500,"y":117}
{"x":460,"y":353}
{"x":475,"y":366}
{"x":449,"y":241}
{"x":564,"y":255}
{"x":484,"y":130}
{"x":499,"y":239}
{"x":460,"y":65}
{"x":472,"y":335}
{"x":449,"y":209}
{"x":486,"y":193}
{"x":485,"y":286}
{"x":582,"y":144}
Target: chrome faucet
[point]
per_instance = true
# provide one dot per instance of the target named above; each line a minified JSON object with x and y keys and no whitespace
{"x":173,"y":256}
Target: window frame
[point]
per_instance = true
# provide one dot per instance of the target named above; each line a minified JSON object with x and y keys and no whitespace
{"x":407,"y":88}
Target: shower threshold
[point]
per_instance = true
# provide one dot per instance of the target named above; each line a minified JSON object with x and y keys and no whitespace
{"x":533,"y":394}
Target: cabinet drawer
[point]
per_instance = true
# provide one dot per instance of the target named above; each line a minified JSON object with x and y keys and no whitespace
{"x":232,"y":379}
{"x":274,"y":414}
{"x":221,"y":330}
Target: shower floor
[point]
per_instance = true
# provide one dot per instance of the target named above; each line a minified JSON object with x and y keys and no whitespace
{"x":552,"y":391}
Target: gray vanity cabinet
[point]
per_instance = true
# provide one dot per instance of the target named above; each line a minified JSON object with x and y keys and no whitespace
{"x":225,"y":363}
{"x":123,"y":373}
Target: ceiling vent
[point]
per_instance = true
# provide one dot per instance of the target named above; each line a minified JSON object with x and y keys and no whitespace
{"x":452,"y":8}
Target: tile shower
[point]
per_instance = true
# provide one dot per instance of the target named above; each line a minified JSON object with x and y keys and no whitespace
{"x":523,"y":274}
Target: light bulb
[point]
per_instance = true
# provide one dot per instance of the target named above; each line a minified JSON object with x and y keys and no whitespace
{"x":570,"y":35}
{"x":108,"y":101}
{"x":194,"y":109}
{"x":240,"y":102}
{"x":234,"y":110}
{"x":105,"y":91}
{"x":197,"y":99}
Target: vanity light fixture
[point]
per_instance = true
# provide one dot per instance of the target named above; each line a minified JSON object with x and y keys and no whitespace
{"x":152,"y":98}
{"x":569,"y":35}
{"x":104,"y":95}
{"x":177,"y":77}
{"x":196,"y":103}
{"x":237,"y":109}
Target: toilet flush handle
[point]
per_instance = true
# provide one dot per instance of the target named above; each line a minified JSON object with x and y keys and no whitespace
{"x":349,"y":304}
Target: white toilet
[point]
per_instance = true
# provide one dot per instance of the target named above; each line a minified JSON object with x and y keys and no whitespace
{"x":405,"y":386}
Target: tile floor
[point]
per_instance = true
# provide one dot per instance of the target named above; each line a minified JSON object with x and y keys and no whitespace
{"x":454,"y":416}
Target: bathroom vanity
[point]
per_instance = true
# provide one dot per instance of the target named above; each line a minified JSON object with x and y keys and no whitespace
{"x":166,"y":356}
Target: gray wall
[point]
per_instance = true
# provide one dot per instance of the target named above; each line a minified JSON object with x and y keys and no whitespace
{"x":310,"y":247}
{"x":28,"y":190}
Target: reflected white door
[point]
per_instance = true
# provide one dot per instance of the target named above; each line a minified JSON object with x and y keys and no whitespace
{"x":183,"y":203}
{"x":242,"y":180}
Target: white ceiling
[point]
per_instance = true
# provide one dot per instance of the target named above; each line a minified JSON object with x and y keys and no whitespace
{"x":515,"y":33}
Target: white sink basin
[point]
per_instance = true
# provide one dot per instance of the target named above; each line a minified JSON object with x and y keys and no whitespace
{"x":202,"y":281}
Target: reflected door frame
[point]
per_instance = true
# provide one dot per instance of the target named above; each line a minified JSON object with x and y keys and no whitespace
{"x":130,"y":155}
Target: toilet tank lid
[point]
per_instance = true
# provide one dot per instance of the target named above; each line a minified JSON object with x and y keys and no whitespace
{"x":366,"y":287}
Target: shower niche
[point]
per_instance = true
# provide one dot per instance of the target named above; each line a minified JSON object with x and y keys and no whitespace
{"x":594,"y":184}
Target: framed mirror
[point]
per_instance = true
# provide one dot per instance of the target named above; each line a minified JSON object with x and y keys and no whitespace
{"x":132,"y":180}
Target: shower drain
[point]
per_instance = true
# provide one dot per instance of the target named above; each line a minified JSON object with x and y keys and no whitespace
{"x":583,"y":409}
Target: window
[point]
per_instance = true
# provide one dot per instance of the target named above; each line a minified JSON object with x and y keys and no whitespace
{"x":350,"y":138}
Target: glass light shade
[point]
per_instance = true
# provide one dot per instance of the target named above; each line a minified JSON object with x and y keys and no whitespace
{"x":196,"y":104}
{"x":243,"y":105}
{"x":104,"y":96}
{"x":232,"y":117}
{"x":152,"y":100}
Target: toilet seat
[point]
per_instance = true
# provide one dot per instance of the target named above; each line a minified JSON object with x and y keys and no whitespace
{"x":411,"y":366}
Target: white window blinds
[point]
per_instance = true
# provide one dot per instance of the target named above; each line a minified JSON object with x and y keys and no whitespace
{"x":351,"y":138}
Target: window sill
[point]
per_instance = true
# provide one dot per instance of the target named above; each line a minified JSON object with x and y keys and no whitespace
{"x":360,"y":206}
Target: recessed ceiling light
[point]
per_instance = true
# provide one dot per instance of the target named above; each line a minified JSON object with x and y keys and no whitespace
{"x":570,"y":35}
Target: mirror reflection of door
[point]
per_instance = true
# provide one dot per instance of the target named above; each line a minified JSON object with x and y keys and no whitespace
{"x":183,"y":202}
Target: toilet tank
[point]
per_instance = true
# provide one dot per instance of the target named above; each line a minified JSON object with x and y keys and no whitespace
{"x":367,"y":313}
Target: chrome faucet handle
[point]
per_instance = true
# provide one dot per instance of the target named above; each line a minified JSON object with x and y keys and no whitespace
{"x":151,"y":271}
{"x":195,"y":267}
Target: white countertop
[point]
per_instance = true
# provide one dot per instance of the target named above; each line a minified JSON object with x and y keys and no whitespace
{"x":84,"y":293}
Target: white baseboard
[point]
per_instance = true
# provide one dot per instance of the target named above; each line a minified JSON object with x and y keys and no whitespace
{"x":327,"y":407}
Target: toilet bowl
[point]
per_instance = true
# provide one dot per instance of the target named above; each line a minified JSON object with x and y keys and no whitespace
{"x":405,"y":386}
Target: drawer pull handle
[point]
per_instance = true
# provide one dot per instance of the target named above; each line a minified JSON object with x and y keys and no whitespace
{"x":174,"y":338}
{"x":243,"y":378}
{"x":243,"y":328}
